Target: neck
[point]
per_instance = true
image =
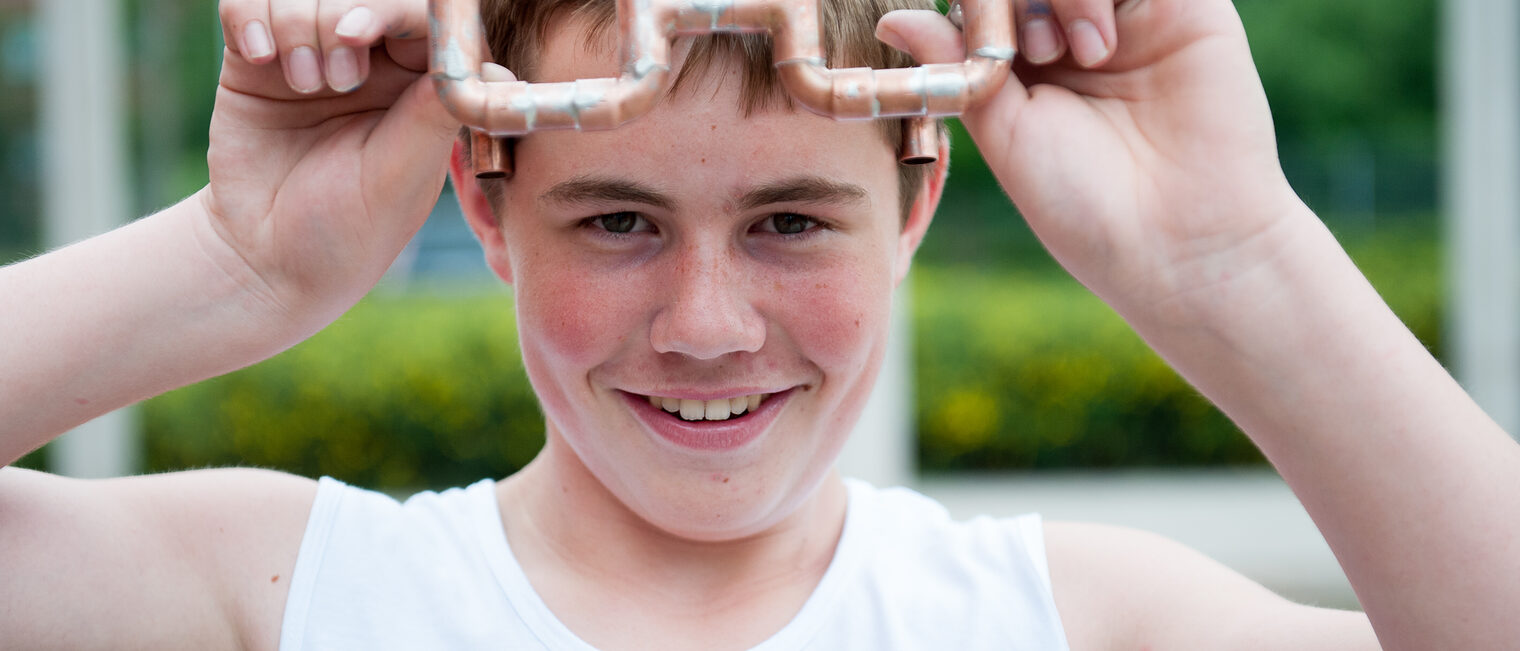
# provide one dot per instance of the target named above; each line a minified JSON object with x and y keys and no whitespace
{"x":564,"y":525}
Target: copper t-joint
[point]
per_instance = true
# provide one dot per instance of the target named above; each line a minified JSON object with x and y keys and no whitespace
{"x":498,"y":110}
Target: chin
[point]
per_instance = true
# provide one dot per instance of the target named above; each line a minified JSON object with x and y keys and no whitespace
{"x":722,"y":507}
{"x":722,"y":518}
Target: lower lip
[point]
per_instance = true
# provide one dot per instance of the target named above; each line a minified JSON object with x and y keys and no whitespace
{"x":708,"y":435}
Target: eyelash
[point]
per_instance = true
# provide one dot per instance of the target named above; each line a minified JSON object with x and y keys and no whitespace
{"x":814,"y":225}
{"x":596,"y":223}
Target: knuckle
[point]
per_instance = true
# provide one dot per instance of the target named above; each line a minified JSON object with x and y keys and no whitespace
{"x":329,"y":12}
{"x":292,"y":23}
{"x":233,"y":13}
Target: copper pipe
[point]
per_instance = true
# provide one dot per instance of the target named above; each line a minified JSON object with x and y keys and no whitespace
{"x":491,"y":158}
{"x":647,"y":28}
{"x":928,"y":90}
{"x":920,"y":143}
{"x":519,"y":107}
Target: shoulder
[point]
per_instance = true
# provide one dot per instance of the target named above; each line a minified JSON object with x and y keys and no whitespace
{"x":212,"y":547}
{"x":1124,"y":588}
{"x":433,"y":571}
{"x":917,"y":525}
{"x":933,"y":581}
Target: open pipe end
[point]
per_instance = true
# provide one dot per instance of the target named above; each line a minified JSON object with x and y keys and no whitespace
{"x":920,"y":141}
{"x":491,"y":157}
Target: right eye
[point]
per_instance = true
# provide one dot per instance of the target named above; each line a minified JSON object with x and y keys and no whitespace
{"x":620,"y":223}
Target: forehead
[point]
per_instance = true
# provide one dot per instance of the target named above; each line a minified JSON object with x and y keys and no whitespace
{"x":700,"y":129}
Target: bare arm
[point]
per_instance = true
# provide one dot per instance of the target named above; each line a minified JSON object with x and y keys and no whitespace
{"x":1413,"y":486}
{"x":307,"y":206}
{"x":1119,"y":588}
{"x":1150,"y":171}
{"x":121,"y":317}
{"x":309,"y":203}
{"x":196,"y":560}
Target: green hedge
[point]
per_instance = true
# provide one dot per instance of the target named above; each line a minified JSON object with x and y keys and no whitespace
{"x":1028,"y":370}
{"x":1031,"y":371}
{"x":1015,"y":370}
{"x":403,"y":391}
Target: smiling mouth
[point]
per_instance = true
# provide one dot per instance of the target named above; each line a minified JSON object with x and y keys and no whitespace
{"x":704,"y":410}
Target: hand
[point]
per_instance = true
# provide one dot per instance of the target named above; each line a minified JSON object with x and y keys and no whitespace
{"x":315,"y":190}
{"x":1151,"y":173}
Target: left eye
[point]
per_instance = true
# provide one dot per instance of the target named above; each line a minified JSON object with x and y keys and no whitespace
{"x":620,"y":222}
{"x":788,"y":223}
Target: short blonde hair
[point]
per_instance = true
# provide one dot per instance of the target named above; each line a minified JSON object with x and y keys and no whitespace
{"x":516,"y":31}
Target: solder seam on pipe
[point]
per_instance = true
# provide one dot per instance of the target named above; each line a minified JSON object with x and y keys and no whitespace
{"x":456,"y":25}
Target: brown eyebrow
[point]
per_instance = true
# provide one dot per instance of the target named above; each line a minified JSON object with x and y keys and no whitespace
{"x":802,"y":189}
{"x":591,"y":189}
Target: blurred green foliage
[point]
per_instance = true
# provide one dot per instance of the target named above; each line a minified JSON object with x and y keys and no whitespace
{"x":1351,"y":68}
{"x":403,"y":391}
{"x":1014,"y":371}
{"x":1352,"y":87}
{"x":1029,"y":370}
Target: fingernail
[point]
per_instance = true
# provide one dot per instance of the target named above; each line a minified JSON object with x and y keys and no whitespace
{"x":1040,"y":41}
{"x":1086,"y":43}
{"x":891,"y":38}
{"x":355,"y":22}
{"x":256,"y":43}
{"x":342,"y":69}
{"x":305,"y":75}
{"x":490,"y":71}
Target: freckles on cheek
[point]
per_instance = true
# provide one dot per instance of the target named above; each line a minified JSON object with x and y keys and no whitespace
{"x":840,"y":318}
{"x":576,"y":321}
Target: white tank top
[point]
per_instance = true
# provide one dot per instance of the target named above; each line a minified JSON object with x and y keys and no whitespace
{"x":437,"y":573}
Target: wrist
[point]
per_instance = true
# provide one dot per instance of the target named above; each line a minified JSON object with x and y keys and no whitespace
{"x":272,"y":310}
{"x":1291,"y":264}
{"x":1291,"y":324}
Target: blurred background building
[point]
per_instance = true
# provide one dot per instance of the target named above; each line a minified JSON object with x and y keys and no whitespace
{"x":1013,"y":389}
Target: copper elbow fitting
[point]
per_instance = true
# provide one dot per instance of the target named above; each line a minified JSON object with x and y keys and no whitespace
{"x":495,"y":110}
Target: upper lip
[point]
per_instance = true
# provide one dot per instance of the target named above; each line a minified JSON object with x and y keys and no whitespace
{"x":705,"y":394}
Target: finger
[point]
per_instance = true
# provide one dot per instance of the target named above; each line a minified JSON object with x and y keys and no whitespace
{"x":403,"y":24}
{"x":1039,"y":35}
{"x":419,"y":126}
{"x":366,"y":21}
{"x":1088,"y":27}
{"x":295,"y":35}
{"x":345,"y":66}
{"x":245,"y":29}
{"x":927,"y":35}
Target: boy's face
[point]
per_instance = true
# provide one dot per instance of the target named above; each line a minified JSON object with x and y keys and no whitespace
{"x":700,"y":255}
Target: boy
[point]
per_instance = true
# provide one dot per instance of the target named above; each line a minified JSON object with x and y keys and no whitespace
{"x":725,"y":253}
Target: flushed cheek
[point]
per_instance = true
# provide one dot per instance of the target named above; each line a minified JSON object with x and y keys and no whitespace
{"x":836,"y":315}
{"x":577,"y":320}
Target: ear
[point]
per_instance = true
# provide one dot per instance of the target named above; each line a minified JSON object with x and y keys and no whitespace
{"x":922,"y":212}
{"x":479,"y":214}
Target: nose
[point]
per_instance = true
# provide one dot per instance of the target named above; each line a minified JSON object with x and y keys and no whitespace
{"x":707,"y":311}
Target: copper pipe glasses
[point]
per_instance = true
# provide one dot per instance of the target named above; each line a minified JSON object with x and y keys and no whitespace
{"x":496,"y":111}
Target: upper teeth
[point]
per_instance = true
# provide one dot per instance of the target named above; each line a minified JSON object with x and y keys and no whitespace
{"x":720,"y":409}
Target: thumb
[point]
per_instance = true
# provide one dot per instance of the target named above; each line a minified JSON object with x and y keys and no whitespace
{"x":408,"y":151}
{"x":926,"y":35}
{"x":418,"y":129}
